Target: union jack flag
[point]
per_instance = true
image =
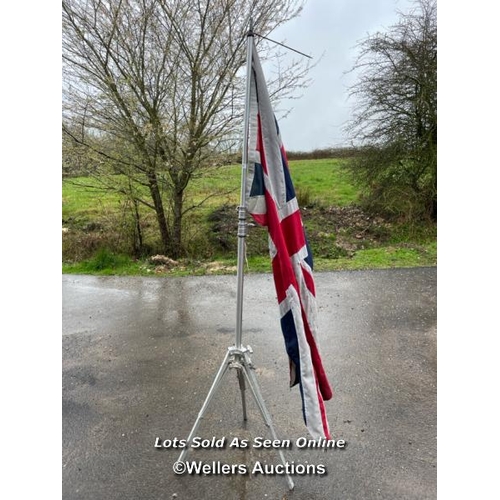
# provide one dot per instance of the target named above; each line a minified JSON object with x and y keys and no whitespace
{"x":272,"y":202}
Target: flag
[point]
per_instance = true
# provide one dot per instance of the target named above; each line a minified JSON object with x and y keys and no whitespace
{"x":272,"y":203}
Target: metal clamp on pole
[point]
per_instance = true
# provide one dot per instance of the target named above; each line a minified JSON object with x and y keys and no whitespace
{"x":242,"y":224}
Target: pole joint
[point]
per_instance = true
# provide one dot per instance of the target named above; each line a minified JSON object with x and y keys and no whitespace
{"x":242,"y":224}
{"x":250,"y":29}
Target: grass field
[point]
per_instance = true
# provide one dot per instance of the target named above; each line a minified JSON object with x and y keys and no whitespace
{"x":97,"y":227}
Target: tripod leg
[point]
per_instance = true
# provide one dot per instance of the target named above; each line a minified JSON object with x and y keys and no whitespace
{"x":222,"y":370}
{"x":254,"y":387}
{"x":241,"y":380}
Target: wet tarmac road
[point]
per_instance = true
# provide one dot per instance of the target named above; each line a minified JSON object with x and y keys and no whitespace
{"x":140,"y":354}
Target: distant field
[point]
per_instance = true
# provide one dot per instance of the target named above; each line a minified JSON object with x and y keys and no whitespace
{"x":97,"y":226}
{"x":322,"y":180}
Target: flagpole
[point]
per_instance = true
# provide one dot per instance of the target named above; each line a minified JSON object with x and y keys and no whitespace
{"x":242,"y":213}
{"x":237,"y":356}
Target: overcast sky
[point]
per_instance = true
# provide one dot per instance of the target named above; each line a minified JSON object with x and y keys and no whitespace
{"x":330,"y":28}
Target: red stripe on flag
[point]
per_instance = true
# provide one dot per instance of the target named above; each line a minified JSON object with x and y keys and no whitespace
{"x":293,"y":233}
{"x":279,"y":274}
{"x":282,"y":266}
{"x":283,"y":153}
{"x":260,"y":219}
{"x":322,"y":410}
{"x":309,"y":281}
{"x":319,"y":371}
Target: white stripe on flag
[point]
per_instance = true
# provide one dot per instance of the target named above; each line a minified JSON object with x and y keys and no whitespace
{"x":308,"y":299}
{"x":308,"y":379}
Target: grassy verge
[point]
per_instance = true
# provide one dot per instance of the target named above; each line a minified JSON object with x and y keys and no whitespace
{"x":97,"y":228}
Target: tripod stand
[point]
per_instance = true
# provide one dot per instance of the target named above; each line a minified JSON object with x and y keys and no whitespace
{"x":238,"y":357}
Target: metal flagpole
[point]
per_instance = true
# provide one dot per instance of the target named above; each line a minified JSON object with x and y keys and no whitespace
{"x":242,"y":212}
{"x":237,"y":356}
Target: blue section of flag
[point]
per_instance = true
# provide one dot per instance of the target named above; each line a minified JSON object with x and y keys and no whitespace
{"x":290,"y":191}
{"x":291,"y":343}
{"x":309,"y":258}
{"x":257,"y":188}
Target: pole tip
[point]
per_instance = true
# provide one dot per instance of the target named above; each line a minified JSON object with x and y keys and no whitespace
{"x":250,"y":28}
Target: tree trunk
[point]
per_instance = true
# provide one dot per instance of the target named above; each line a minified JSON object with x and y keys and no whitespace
{"x":138,"y":242}
{"x":160,"y":213}
{"x":177,"y":225}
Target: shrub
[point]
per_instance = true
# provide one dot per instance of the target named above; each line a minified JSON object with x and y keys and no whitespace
{"x":106,"y":259}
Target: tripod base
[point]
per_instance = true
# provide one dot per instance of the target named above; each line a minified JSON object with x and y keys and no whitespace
{"x":239,"y":359}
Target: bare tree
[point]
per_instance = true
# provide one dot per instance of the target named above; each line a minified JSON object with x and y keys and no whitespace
{"x":396,"y":113}
{"x":155,"y":88}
